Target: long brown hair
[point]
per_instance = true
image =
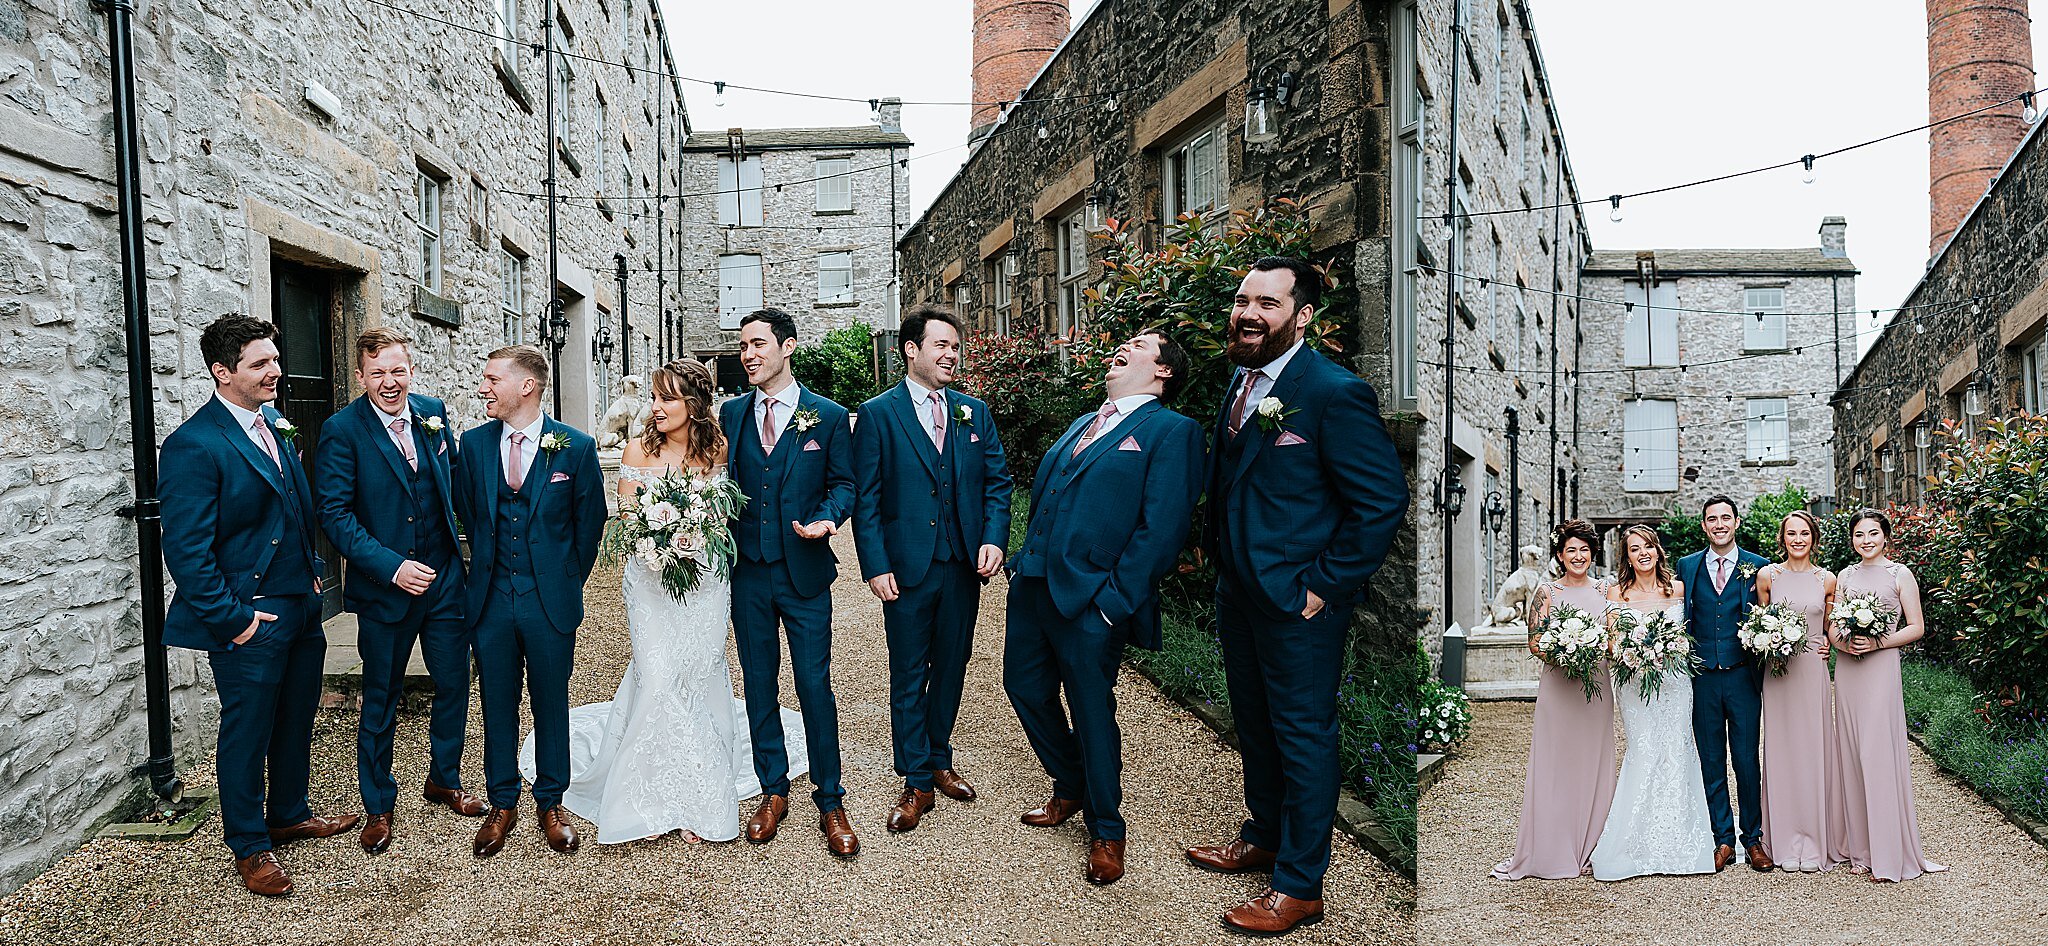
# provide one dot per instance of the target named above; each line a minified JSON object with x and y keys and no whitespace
{"x":1665,"y":575}
{"x":688,"y":381}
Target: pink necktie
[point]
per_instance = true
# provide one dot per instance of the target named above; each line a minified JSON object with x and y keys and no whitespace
{"x":939,"y":421}
{"x":1720,"y":575}
{"x":268,"y":440}
{"x":1095,"y":429}
{"x":404,"y":443}
{"x":767,"y":425}
{"x":1244,"y":397}
{"x":515,"y":473}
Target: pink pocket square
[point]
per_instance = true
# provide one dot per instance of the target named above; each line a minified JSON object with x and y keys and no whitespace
{"x":812,"y":445}
{"x":1131,"y":444}
{"x":973,"y":438}
{"x":444,"y":447}
{"x":559,"y":478}
{"x":1288,"y":438}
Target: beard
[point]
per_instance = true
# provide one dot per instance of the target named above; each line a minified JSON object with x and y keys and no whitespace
{"x":1255,"y":354}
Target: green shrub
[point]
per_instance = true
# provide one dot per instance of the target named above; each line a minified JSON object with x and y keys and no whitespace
{"x":2008,"y":761}
{"x":1031,"y":397}
{"x":840,"y":366}
{"x":1681,"y":533}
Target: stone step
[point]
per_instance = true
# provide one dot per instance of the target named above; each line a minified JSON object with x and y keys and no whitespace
{"x":1500,"y":655}
{"x":1501,"y":690}
{"x":342,"y":682}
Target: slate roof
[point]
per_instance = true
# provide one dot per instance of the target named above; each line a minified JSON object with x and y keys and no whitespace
{"x":1802,"y":259}
{"x":784,"y":139}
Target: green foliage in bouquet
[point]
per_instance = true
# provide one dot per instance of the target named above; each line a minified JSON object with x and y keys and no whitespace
{"x":702,"y":513}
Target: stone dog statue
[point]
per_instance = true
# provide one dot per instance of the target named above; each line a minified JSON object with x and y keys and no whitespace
{"x":1517,"y":599}
{"x":627,"y":416}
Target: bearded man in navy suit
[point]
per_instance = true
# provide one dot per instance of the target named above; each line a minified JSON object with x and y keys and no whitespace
{"x":1305,"y":492}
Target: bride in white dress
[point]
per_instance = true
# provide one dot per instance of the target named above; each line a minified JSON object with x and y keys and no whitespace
{"x":1658,"y":822}
{"x":665,"y":754}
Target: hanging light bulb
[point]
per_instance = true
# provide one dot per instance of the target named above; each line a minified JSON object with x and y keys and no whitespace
{"x":1807,"y":162}
{"x":1614,"y":208}
{"x":720,"y":100}
{"x":1043,"y":134}
{"x":2028,"y":113}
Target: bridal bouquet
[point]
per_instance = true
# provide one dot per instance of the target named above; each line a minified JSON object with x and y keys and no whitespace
{"x":679,"y":526}
{"x":1571,"y":640}
{"x":1861,"y":614}
{"x":1650,"y":648}
{"x":1774,"y":633}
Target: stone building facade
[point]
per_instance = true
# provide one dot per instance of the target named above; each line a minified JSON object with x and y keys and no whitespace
{"x":803,"y":219}
{"x":395,"y":200}
{"x":1734,"y":400}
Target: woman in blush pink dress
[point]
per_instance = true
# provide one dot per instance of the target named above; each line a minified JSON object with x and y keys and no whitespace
{"x":1571,"y":753}
{"x":1799,"y":722}
{"x":1881,"y":834}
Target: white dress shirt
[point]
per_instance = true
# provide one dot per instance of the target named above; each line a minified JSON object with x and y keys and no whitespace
{"x":782,"y":407}
{"x":1125,"y":407}
{"x":920,"y":403}
{"x":1263,"y":385}
{"x":247,"y":420}
{"x":1726,"y":562}
{"x":528,"y":451}
{"x":404,"y":444}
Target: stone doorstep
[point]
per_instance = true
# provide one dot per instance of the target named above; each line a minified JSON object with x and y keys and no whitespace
{"x":342,"y":683}
{"x":206,"y":802}
{"x":1501,"y":690}
{"x":2035,"y":830}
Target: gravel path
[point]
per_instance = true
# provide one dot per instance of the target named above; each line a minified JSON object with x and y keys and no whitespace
{"x":970,"y":874}
{"x":1995,"y":891}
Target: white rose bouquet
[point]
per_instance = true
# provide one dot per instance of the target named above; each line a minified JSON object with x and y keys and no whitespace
{"x":1573,"y":641}
{"x":1861,"y":614}
{"x":1647,"y":649}
{"x":681,"y":527}
{"x":1775,"y":634}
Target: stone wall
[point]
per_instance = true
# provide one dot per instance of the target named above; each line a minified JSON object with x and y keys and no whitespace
{"x":241,"y":176}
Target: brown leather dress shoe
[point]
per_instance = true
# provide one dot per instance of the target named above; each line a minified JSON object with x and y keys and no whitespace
{"x":1236,"y":857}
{"x":376,"y":837}
{"x":490,"y":837}
{"x":839,"y":838}
{"x":950,"y":784}
{"x":767,"y":818}
{"x":1758,"y":860}
{"x":554,"y":825}
{"x":318,"y":826}
{"x":263,"y":875}
{"x":910,"y":808}
{"x":459,"y":801}
{"x":1272,"y":914}
{"x":1723,"y":853}
{"x":1105,"y":861}
{"x":1052,"y":814}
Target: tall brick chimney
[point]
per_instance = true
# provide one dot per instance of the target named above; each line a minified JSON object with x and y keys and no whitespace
{"x":1012,"y":41}
{"x":1978,"y":52}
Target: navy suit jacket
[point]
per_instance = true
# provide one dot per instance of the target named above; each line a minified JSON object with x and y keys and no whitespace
{"x":224,"y":505}
{"x":896,"y":471}
{"x":816,"y":471}
{"x":1111,"y":523}
{"x":1318,"y":512}
{"x":1714,"y":638}
{"x":567,"y":515}
{"x":367,"y":507}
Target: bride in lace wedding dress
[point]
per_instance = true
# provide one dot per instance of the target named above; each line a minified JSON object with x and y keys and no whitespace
{"x":1658,"y":822}
{"x":665,"y":754}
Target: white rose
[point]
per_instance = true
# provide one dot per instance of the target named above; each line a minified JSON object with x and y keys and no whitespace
{"x":1865,"y":616}
{"x":1270,"y":407}
{"x":664,"y":514}
{"x":644,"y":545}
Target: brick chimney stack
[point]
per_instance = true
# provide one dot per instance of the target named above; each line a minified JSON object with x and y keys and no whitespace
{"x":1012,"y":41}
{"x":1978,"y":52}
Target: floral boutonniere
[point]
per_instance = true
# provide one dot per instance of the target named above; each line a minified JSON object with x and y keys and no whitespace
{"x":553,"y":442}
{"x":286,"y":430}
{"x":803,"y":421}
{"x":963,"y":414}
{"x":1273,"y":414}
{"x":433,"y":425}
{"x":1745,"y":572}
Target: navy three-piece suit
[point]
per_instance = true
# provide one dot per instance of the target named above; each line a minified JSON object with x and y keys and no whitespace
{"x":1310,"y":504}
{"x":380,"y":512}
{"x":238,"y":538}
{"x":923,"y":514}
{"x":783,"y":580}
{"x":1106,"y":526}
{"x":1727,"y":694}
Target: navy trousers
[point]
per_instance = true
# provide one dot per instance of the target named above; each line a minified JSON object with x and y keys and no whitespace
{"x":1045,"y":653}
{"x":1282,"y":676}
{"x":1727,"y":722}
{"x":930,"y":630}
{"x":516,"y":644}
{"x":763,"y":600}
{"x":269,"y":692}
{"x":435,"y":621}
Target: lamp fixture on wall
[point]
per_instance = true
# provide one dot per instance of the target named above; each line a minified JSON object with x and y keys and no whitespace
{"x":1273,"y":92}
{"x":1973,"y":399}
{"x":1099,"y":201}
{"x":602,"y":346}
{"x":1923,"y":435}
{"x":1496,"y":512}
{"x":1449,"y":497}
{"x":1862,"y":477}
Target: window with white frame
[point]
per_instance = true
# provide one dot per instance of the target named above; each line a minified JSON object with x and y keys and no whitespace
{"x":512,"y":296}
{"x":427,"y":190}
{"x":1649,"y":445}
{"x":2034,"y":378}
{"x":739,"y":191}
{"x":597,"y":135}
{"x":1195,"y":171}
{"x":1770,"y":430}
{"x":479,"y":205}
{"x":998,"y":273}
{"x":1763,"y":329}
{"x":739,"y":287}
{"x":565,"y":100}
{"x":1521,"y":342}
{"x":1410,"y":185}
{"x":1526,"y":138}
{"x":835,"y":277}
{"x":1073,"y":269}
{"x":1651,"y":334}
{"x":1493,"y":291}
{"x":1500,"y":72}
{"x":835,"y":184}
{"x":505,"y":23}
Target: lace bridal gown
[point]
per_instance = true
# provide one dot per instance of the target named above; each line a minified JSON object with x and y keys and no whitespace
{"x":665,"y":752}
{"x":1658,"y":822}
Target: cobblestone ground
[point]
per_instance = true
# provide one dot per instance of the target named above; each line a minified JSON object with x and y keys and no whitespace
{"x":1995,"y":891}
{"x":970,"y":874}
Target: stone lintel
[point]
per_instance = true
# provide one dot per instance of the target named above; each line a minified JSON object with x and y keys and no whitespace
{"x":952,"y":273}
{"x":2023,"y":323}
{"x":1958,"y":371}
{"x":53,"y":147}
{"x":1193,"y":97}
{"x":997,"y":238}
{"x":1879,"y":436}
{"x":1912,"y":409}
{"x":1064,"y":191}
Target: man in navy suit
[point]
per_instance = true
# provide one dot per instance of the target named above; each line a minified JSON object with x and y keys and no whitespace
{"x":531,"y":494}
{"x":930,"y":525}
{"x":1728,"y":693}
{"x":238,"y":539}
{"x":382,"y":476}
{"x":1305,"y":493}
{"x":791,"y":451}
{"x":1110,"y":509}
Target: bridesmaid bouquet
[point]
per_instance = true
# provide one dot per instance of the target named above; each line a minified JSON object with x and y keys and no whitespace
{"x":1862,"y":614}
{"x":1571,"y":641}
{"x":1775,"y":633}
{"x":1646,"y":650}
{"x":681,"y":527}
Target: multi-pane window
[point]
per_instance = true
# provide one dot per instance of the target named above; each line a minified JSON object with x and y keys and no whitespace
{"x":1195,"y":172}
{"x":1527,"y":137}
{"x":1073,"y":269}
{"x":479,"y":205}
{"x":1770,"y":430}
{"x":1763,"y":328}
{"x":2034,"y":378}
{"x":835,"y":184}
{"x":597,"y":133}
{"x":1652,"y":333}
{"x":512,"y":296}
{"x":1410,"y":184}
{"x":1521,"y":343}
{"x":565,"y":101}
{"x":1649,"y":445}
{"x":739,"y":191}
{"x":739,"y":287}
{"x":428,"y":191}
{"x":835,"y":277}
{"x":505,"y":23}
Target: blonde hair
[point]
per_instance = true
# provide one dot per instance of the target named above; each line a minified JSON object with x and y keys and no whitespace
{"x":686,"y":380}
{"x":1665,"y":575}
{"x":528,"y":359}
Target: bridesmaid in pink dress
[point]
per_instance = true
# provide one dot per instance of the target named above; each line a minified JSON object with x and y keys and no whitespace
{"x":1881,"y":834}
{"x":1571,"y":753}
{"x":1799,"y":723}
